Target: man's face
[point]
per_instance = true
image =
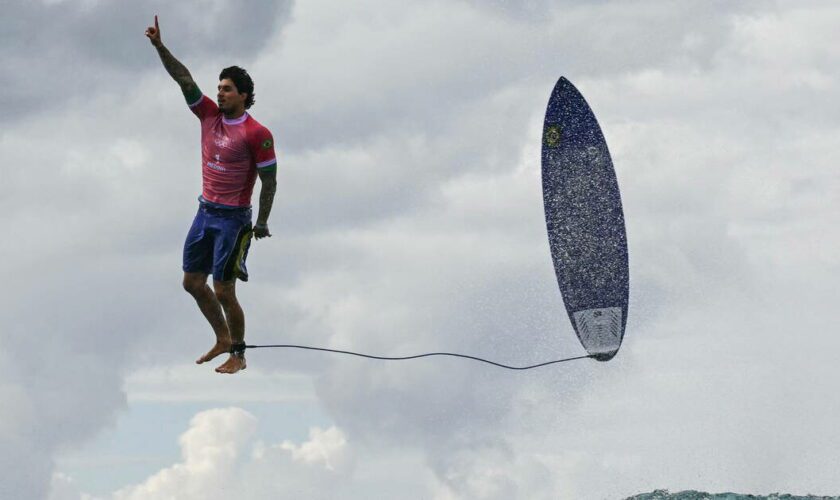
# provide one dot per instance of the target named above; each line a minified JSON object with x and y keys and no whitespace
{"x":229,"y":98}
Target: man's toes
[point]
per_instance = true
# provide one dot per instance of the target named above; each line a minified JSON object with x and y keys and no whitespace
{"x":212,"y":353}
{"x":207,"y":357}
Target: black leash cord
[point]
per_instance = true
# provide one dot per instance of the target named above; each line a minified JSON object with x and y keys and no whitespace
{"x":403,"y":358}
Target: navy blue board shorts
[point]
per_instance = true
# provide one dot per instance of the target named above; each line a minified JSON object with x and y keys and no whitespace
{"x":218,"y":242}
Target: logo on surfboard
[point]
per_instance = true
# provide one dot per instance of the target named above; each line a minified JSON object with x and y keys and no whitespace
{"x":552,"y":136}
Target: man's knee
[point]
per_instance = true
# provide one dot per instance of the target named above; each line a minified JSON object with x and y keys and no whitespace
{"x":194,"y":282}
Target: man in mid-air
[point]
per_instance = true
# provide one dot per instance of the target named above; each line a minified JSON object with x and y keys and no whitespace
{"x":235,"y":149}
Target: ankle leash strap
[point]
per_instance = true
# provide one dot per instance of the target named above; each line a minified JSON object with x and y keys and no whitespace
{"x":238,"y":350}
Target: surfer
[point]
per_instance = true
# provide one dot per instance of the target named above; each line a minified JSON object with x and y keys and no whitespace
{"x":235,"y":149}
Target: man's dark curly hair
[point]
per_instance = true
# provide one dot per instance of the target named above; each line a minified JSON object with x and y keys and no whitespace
{"x":242,"y":80}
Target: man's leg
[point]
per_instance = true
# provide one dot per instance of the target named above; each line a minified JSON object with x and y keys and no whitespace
{"x":226,"y":293}
{"x":196,"y":285}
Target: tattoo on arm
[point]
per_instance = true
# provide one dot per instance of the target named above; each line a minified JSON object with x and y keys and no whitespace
{"x":269,"y":187}
{"x":176,"y":70}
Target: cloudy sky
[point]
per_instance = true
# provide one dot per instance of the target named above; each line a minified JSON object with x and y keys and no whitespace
{"x":409,"y":219}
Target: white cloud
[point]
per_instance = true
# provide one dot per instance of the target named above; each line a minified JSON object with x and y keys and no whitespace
{"x":211,"y":449}
{"x":220,"y":458}
{"x":322,"y":448}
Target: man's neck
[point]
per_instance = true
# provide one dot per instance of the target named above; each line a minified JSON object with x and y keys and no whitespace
{"x":233,"y":115}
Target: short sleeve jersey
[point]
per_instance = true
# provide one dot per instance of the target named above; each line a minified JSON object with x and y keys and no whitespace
{"x":231,"y":153}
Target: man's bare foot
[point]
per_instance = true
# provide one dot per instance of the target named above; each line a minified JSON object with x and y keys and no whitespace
{"x":232,"y":365}
{"x":221,"y":347}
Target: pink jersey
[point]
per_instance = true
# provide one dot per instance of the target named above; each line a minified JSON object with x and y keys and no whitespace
{"x":231,"y":153}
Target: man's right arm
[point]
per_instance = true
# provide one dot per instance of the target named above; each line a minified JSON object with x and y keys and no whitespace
{"x":176,"y":70}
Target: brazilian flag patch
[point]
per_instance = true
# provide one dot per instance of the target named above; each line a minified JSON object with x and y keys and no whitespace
{"x":267,"y":144}
{"x":552,"y":136}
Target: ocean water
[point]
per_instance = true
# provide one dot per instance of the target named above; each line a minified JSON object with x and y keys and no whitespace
{"x":700,"y":495}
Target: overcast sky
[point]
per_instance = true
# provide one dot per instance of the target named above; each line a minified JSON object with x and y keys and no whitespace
{"x":409,"y":219}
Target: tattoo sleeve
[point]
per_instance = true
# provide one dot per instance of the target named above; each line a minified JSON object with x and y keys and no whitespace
{"x":269,"y":187}
{"x":176,"y":70}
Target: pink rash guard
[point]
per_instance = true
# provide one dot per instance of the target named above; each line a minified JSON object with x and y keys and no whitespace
{"x":231,"y":153}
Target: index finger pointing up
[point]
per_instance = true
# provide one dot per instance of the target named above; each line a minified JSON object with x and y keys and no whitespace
{"x":156,"y":22}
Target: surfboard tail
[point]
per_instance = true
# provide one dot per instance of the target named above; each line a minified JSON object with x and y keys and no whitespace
{"x":600,"y":330}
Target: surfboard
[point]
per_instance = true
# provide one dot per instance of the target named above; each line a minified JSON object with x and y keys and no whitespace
{"x":585,"y":222}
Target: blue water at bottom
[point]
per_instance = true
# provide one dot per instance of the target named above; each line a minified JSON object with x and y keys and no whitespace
{"x":700,"y":495}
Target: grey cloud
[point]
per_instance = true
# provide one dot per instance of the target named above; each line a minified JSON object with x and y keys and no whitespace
{"x":423,"y":71}
{"x":63,"y":51}
{"x":333,"y":112}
